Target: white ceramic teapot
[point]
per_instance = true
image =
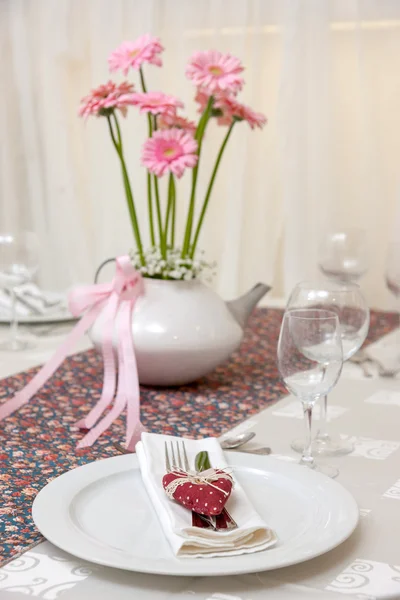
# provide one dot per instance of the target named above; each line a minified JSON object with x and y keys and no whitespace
{"x":183,"y":330}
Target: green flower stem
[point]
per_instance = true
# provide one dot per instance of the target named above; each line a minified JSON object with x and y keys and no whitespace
{"x":209,"y":190}
{"x":149,"y":192}
{"x":170,"y":211}
{"x":128,"y":190}
{"x":163,"y":242}
{"x":142,"y":82}
{"x":150,"y":209}
{"x":199,"y":137}
{"x":173,"y":213}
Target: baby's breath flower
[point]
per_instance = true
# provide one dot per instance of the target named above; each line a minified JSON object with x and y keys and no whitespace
{"x":173,"y":267}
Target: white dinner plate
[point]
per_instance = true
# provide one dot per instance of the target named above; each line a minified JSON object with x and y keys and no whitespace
{"x":101,"y":513}
{"x":60,"y":316}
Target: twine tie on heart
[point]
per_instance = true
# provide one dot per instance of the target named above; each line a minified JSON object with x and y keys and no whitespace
{"x":203,"y":478}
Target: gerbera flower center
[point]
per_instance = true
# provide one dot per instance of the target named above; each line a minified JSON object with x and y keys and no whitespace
{"x":169,"y":152}
{"x":134,"y":53}
{"x":215,"y":70}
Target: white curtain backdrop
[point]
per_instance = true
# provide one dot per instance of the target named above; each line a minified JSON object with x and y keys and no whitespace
{"x":325,"y":72}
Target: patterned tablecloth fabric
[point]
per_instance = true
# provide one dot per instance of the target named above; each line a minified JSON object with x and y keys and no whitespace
{"x":38,"y":441}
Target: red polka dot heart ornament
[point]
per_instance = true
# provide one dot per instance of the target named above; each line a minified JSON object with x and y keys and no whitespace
{"x":205,"y":492}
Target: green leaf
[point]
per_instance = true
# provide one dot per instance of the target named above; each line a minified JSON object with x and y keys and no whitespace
{"x":202,"y":462}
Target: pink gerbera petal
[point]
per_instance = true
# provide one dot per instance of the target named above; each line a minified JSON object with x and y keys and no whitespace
{"x":202,"y":98}
{"x":132,"y":55}
{"x":155,"y":102}
{"x":232,"y":109}
{"x":169,"y":150}
{"x":215,"y":71}
{"x":168,"y":120}
{"x":227,"y":108}
{"x":105,"y":98}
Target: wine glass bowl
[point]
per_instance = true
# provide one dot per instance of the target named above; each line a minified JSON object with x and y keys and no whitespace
{"x":18,"y":257}
{"x":18,"y":265}
{"x":310,"y":361}
{"x":347,"y":302}
{"x":343,"y":255}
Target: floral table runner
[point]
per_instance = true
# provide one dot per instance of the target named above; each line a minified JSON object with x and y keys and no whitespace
{"x":38,"y":441}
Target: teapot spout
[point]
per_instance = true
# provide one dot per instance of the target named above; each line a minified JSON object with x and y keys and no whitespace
{"x":242,"y":307}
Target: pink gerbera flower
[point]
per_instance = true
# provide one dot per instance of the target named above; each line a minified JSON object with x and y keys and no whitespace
{"x":169,"y":150}
{"x":105,"y":98}
{"x":156,"y":102}
{"x":215,"y":71}
{"x":232,"y":109}
{"x":145,"y":49}
{"x":168,"y":120}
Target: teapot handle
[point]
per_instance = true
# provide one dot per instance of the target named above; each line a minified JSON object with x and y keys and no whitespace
{"x":103,"y":264}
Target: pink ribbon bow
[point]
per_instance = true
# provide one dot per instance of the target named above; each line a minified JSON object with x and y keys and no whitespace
{"x":119,"y":296}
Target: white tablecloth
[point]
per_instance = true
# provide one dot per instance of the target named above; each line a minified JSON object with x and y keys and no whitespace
{"x":365,"y":566}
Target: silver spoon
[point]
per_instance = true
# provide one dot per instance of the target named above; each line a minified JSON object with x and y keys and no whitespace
{"x":234,"y":442}
{"x":264,"y":450}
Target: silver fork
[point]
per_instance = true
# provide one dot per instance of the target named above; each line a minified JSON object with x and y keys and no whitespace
{"x":176,"y":463}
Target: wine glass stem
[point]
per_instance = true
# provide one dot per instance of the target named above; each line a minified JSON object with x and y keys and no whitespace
{"x":307,"y":457}
{"x":322,"y":433}
{"x":14,"y":317}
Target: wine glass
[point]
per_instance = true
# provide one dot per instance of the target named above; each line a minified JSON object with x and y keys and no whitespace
{"x":348,"y":303}
{"x":18,"y":264}
{"x":343,"y":255}
{"x":310,"y":360}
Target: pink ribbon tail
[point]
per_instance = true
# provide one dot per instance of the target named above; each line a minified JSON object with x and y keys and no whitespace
{"x":21,"y":398}
{"x":122,"y":293}
{"x":134,"y":427}
{"x":126,"y":377}
{"x":109,"y":370}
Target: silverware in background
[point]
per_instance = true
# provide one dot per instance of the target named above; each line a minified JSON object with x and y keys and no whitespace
{"x":229,"y":443}
{"x":237,"y":443}
{"x":363,"y":361}
{"x":34,"y":310}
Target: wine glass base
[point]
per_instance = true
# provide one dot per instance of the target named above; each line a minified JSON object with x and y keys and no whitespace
{"x":326,"y":446}
{"x":17,"y":344}
{"x":327,"y":470}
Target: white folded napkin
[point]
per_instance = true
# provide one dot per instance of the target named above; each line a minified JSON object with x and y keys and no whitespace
{"x":252,"y":534}
{"x":32,"y":301}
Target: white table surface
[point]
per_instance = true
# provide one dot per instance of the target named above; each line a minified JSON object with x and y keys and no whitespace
{"x":365,"y":566}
